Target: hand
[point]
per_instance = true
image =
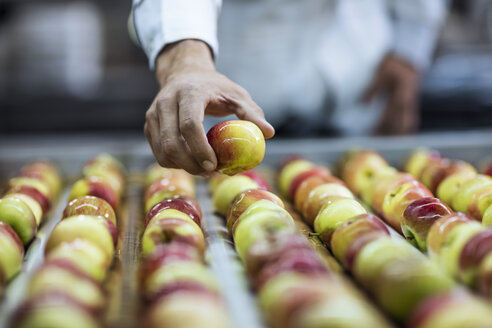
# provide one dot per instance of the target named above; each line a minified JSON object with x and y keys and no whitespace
{"x":190,"y":89}
{"x":399,"y":81}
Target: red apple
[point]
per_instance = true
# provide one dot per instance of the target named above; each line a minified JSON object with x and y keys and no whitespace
{"x":90,"y":205}
{"x":397,"y":199}
{"x":184,"y":204}
{"x":166,"y":254}
{"x":418,"y":218}
{"x":298,"y":179}
{"x":45,"y":171}
{"x":239,"y":146}
{"x":54,"y":310}
{"x":33,"y":188}
{"x":303,"y":260}
{"x":170,"y":229}
{"x":351,"y":236}
{"x":472,"y":255}
{"x":94,"y":186}
{"x":245,"y":199}
{"x":270,"y":249}
{"x":258,"y":178}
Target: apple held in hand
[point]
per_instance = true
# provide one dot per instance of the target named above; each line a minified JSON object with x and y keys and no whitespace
{"x":239,"y":146}
{"x":11,"y":252}
{"x":353,"y":235}
{"x":289,"y":171}
{"x":90,"y":205}
{"x":84,"y":255}
{"x":19,"y":217}
{"x":34,"y":188}
{"x":91,"y":228}
{"x":183,"y":204}
{"x":245,"y":199}
{"x":418,"y":218}
{"x":94,"y":186}
{"x":320,"y":196}
{"x":168,"y":229}
{"x":228,"y":189}
{"x":333,"y":214}
{"x":396,"y":201}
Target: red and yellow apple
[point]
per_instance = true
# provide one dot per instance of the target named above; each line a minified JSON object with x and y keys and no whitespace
{"x":239,"y":146}
{"x":18,"y":215}
{"x":36,"y":209}
{"x":228,"y":189}
{"x":448,"y":188}
{"x":184,"y":204}
{"x":419,"y":159}
{"x":289,"y":171}
{"x":44,"y":171}
{"x":359,"y":169}
{"x":440,"y":229}
{"x":418,"y":218}
{"x":258,"y":178}
{"x":90,"y":205}
{"x":11,"y":251}
{"x":33,"y":188}
{"x":95,"y":186}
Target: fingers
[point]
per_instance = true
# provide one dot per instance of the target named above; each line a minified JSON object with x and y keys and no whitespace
{"x":173,"y":147}
{"x":247,"y":109}
{"x":151,"y":130}
{"x":191,"y":115}
{"x":377,"y":85}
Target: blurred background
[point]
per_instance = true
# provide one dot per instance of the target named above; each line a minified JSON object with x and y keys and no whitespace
{"x":70,"y":66}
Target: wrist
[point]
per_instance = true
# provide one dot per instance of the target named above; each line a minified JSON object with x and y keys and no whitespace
{"x":183,"y":56}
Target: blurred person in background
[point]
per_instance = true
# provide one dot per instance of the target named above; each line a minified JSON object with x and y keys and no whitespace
{"x":350,"y":67}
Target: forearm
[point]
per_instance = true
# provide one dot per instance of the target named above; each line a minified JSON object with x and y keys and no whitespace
{"x":183,"y":56}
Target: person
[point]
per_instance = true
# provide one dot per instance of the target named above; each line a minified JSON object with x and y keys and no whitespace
{"x":352,"y":66}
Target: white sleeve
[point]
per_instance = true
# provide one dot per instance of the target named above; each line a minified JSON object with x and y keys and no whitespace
{"x":416,"y":28}
{"x":160,"y":22}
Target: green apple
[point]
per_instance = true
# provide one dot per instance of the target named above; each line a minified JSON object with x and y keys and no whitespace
{"x":449,"y":255}
{"x":31,"y":202}
{"x":11,"y":252}
{"x":368,"y":190}
{"x":259,"y":221}
{"x":319,"y":196}
{"x":462,"y":197}
{"x":228,"y":189}
{"x":85,"y":255}
{"x":333,"y":214}
{"x":186,"y":310}
{"x":17,"y":214}
{"x":90,"y":228}
{"x":289,"y":172}
{"x":178,"y":271}
{"x":448,"y":188}
{"x":52,"y":278}
{"x":487,"y":217}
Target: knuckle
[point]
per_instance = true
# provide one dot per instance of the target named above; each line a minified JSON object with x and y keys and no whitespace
{"x":164,"y":102}
{"x":188,"y":123}
{"x":170,"y":147}
{"x":149,"y":115}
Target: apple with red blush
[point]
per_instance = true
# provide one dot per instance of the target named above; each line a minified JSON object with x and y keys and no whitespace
{"x":184,"y":204}
{"x":239,"y":146}
{"x":90,"y":205}
{"x":95,"y":186}
{"x":418,"y":218}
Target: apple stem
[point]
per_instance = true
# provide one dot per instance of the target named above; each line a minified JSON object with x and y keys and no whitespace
{"x":314,"y":234}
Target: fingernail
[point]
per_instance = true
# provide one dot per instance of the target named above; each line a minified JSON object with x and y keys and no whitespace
{"x":208,"y":166}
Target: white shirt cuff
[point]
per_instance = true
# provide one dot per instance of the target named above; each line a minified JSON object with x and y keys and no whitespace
{"x":161,"y":22}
